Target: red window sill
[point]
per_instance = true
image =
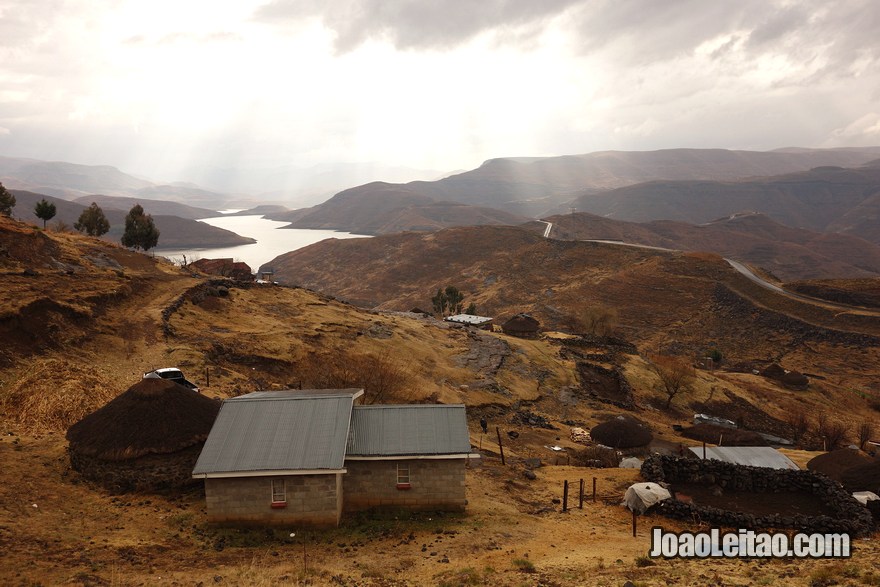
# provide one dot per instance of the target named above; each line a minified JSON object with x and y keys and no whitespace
{"x":404,"y":486}
{"x":278,"y":505}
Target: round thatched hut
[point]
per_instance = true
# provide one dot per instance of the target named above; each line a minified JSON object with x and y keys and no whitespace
{"x":622,"y":432}
{"x":837,"y":462}
{"x":521,"y":325}
{"x":146,"y":439}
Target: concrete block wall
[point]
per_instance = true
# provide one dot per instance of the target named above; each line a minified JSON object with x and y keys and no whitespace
{"x":313,"y":500}
{"x":435,"y":484}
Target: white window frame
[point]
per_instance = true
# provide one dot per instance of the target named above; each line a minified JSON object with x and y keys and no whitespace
{"x":403,"y":474}
{"x":279,"y":496}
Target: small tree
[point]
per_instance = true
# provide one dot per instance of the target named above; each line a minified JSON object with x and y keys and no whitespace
{"x":799,"y":422}
{"x":866,"y":432}
{"x":471,"y":309}
{"x":7,"y":201}
{"x":45,"y":211}
{"x":454,"y":299}
{"x":439,"y":302}
{"x":140,"y":231}
{"x":92,"y":221}
{"x":676,"y":375}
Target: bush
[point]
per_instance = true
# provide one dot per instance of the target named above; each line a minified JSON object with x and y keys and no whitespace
{"x":597,"y":456}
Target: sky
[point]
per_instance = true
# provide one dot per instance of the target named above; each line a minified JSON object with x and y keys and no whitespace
{"x":165,"y":88}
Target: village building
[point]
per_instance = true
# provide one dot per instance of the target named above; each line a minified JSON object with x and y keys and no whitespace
{"x":522,"y":325}
{"x":146,"y":439}
{"x":307,"y":456}
{"x":238,"y":270}
{"x":752,"y":456}
{"x":481,"y":322}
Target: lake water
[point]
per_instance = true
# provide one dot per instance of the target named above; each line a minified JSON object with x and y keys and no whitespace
{"x":272,"y":240}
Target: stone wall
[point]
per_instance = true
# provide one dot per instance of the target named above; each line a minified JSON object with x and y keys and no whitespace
{"x":435,"y":484}
{"x":312,"y":500}
{"x":849,"y":515}
{"x":150,"y":473}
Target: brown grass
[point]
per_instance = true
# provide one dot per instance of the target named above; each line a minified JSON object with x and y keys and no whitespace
{"x":55,"y":394}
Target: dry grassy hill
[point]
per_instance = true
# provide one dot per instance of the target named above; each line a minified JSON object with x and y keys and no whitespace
{"x":788,"y":253}
{"x":80,"y":321}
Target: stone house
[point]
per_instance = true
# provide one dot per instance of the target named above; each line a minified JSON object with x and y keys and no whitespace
{"x":305,"y":457}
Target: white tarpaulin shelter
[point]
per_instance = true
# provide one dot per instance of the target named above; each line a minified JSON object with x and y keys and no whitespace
{"x":863,"y":497}
{"x":641,"y":496}
{"x":630,"y":463}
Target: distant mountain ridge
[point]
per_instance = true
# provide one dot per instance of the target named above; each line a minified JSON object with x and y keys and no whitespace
{"x":535,"y":186}
{"x":825,"y":199}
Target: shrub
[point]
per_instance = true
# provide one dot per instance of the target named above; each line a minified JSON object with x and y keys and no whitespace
{"x":524,"y":565}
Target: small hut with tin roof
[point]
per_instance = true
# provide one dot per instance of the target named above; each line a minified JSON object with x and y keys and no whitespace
{"x":146,"y":439}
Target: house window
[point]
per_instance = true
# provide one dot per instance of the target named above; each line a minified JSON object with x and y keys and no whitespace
{"x":403,"y":476}
{"x":279,"y":492}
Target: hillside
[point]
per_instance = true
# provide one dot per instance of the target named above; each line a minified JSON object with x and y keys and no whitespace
{"x":660,"y":297}
{"x":175,"y":232}
{"x":532,"y":186}
{"x":787,"y":253}
{"x":382,"y":208}
{"x":163,"y":207}
{"x":82,"y":319}
{"x":824,"y":199}
{"x":70,"y":181}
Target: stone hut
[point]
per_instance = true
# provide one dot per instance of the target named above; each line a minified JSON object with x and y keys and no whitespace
{"x":238,"y":270}
{"x":522,"y":325}
{"x":146,"y":439}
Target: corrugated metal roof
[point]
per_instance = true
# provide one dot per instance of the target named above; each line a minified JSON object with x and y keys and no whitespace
{"x":279,"y":430}
{"x":468,"y":319}
{"x":754,"y":456}
{"x":408,"y":430}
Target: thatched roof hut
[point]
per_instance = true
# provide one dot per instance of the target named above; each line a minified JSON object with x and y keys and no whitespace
{"x":146,"y":439}
{"x":522,"y":325}
{"x":622,"y":432}
{"x":837,"y":462}
{"x":862,"y":477}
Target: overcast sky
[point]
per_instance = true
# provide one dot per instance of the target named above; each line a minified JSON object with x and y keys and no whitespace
{"x":157,"y":87}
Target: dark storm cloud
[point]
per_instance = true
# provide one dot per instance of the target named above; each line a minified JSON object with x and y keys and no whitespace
{"x":413,"y":24}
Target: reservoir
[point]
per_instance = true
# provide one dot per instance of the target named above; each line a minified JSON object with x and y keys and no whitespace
{"x":272,"y":240}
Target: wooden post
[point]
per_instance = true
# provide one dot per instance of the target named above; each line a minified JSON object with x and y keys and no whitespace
{"x":581,"y":496}
{"x":207,"y":378}
{"x":594,"y":490}
{"x":500,"y":446}
{"x":634,"y":524}
{"x":704,"y":451}
{"x":565,"y":496}
{"x":720,"y":438}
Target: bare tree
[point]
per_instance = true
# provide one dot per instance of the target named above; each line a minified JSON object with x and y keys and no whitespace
{"x":835,"y":434}
{"x":676,"y":375}
{"x":865,"y":432}
{"x":380,"y":375}
{"x":598,"y":320}
{"x":799,"y":422}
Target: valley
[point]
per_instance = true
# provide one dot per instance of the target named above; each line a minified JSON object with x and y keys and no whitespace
{"x":89,"y":318}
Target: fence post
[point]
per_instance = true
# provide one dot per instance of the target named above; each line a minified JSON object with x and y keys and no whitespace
{"x":704,"y":451}
{"x":207,"y":378}
{"x":500,"y":447}
{"x":634,"y":524}
{"x":565,"y":496}
{"x":594,"y":490}
{"x":581,"y":496}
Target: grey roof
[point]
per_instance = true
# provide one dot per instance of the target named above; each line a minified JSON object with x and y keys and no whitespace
{"x":279,"y":430}
{"x":408,"y":430}
{"x":755,"y":456}
{"x":468,"y":319}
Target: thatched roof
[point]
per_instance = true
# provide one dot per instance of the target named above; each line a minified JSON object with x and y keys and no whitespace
{"x":837,"y":462}
{"x":521,"y":323}
{"x":622,"y":432}
{"x":155,"y":416}
{"x":862,"y":477}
